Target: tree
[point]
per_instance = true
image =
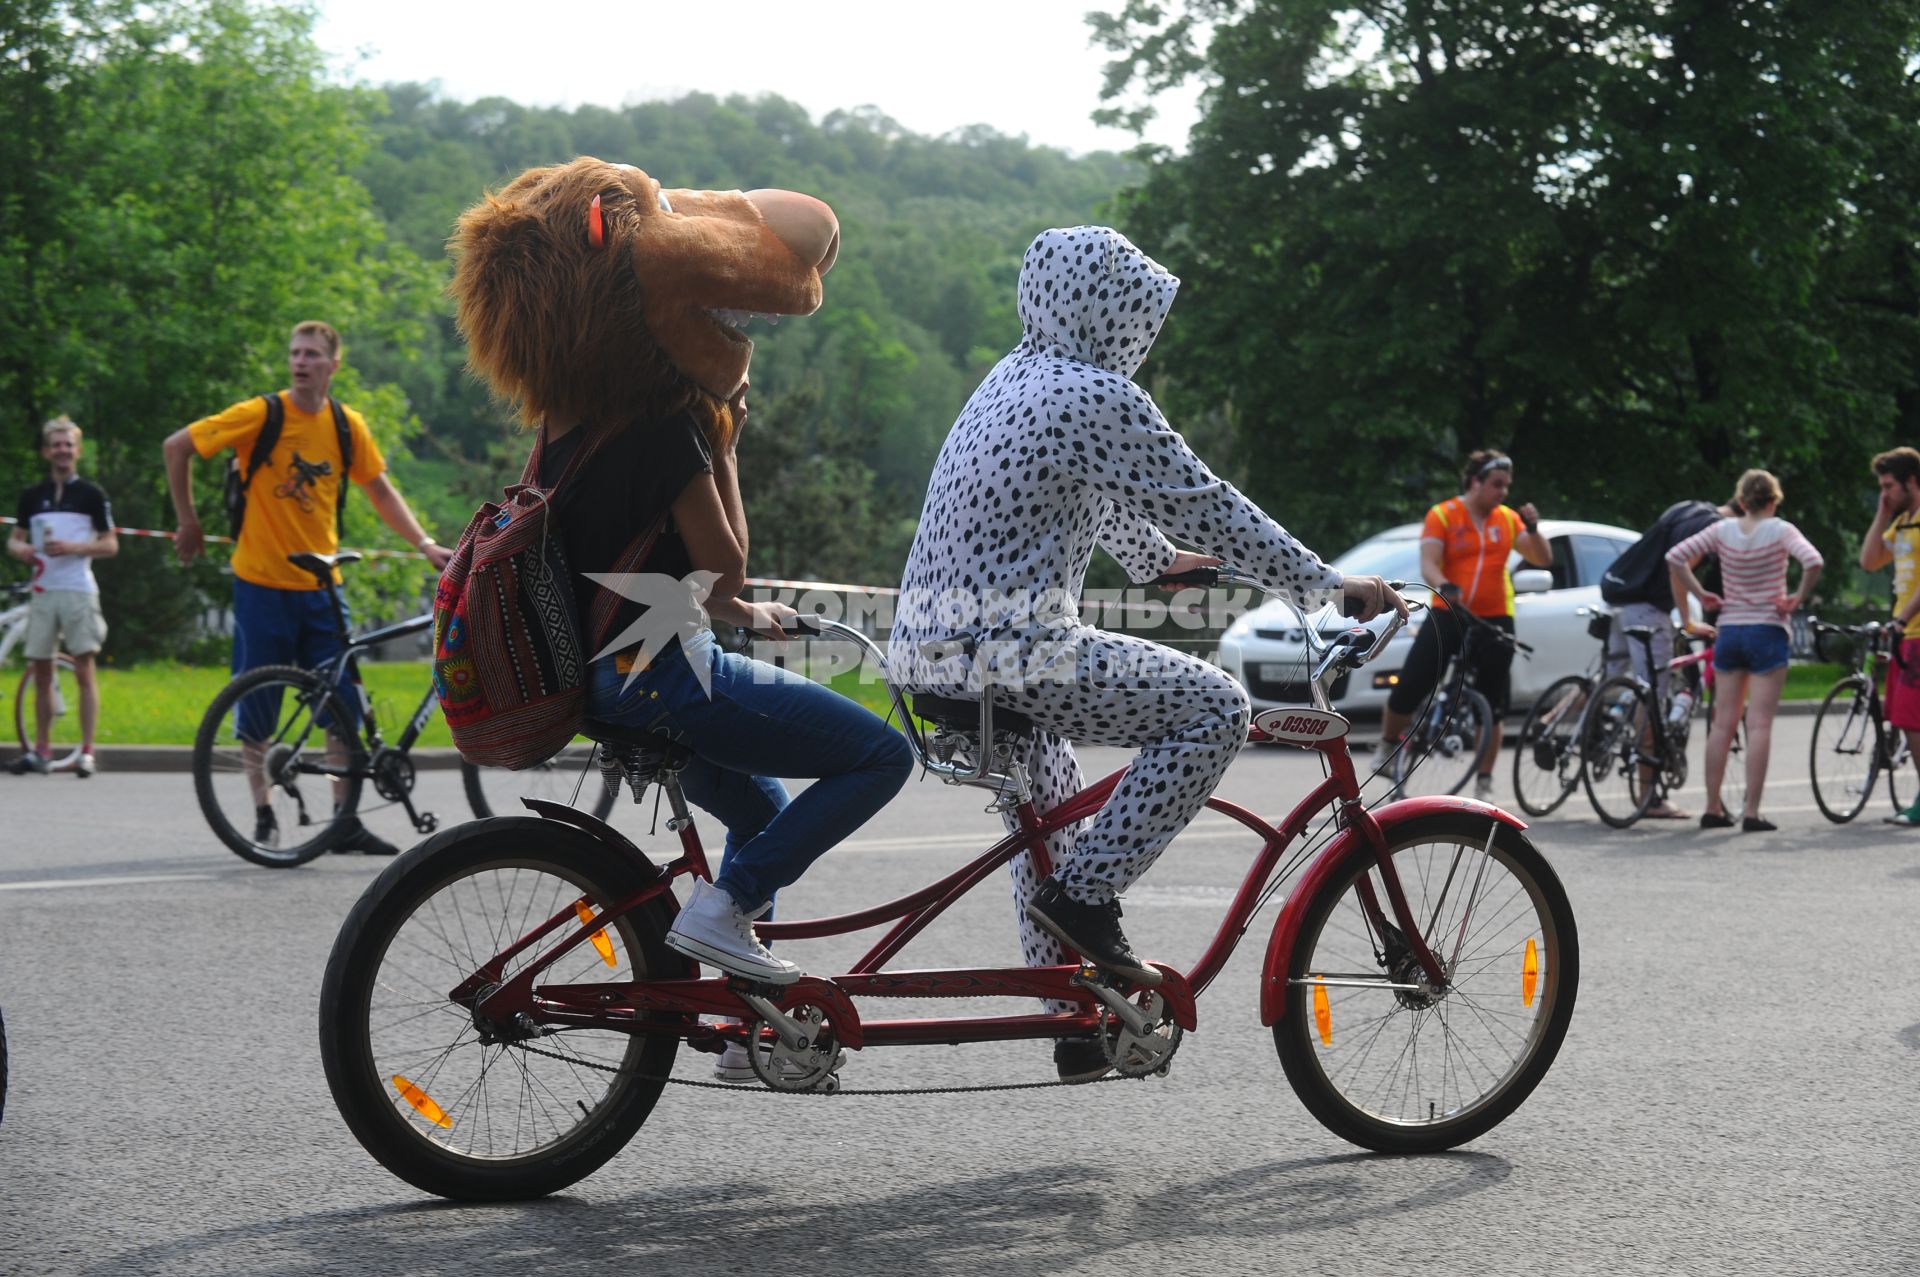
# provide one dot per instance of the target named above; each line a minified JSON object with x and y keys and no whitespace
{"x":1643,"y":246}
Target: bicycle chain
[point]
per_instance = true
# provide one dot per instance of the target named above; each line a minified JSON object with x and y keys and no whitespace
{"x":768,"y":1090}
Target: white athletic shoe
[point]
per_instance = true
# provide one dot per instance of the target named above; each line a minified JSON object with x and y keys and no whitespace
{"x":712,"y":928}
{"x":1483,"y":788}
{"x":83,"y":766}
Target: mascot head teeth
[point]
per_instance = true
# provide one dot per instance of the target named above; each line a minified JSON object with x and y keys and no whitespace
{"x":576,"y":311}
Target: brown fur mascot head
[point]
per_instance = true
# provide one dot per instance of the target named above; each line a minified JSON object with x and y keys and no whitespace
{"x":588,"y":293}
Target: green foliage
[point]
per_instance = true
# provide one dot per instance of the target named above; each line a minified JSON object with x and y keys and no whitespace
{"x":1642,"y":245}
{"x":187,"y":198}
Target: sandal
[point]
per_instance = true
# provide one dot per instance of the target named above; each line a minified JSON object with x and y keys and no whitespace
{"x":1715,"y":820}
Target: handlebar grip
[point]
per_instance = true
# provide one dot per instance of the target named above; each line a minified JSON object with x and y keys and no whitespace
{"x":801,"y":627}
{"x":1206,"y":578}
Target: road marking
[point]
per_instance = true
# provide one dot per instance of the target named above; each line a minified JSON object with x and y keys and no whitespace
{"x":122,"y":880}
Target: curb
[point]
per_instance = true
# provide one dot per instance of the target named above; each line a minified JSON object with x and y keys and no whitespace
{"x":179,"y":758}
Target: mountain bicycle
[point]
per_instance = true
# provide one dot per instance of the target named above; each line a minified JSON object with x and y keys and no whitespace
{"x":283,"y":754}
{"x":1546,"y":757}
{"x":1634,"y":735}
{"x":1446,"y":742}
{"x":500,"y":1013}
{"x":65,"y":693}
{"x":1852,"y":744}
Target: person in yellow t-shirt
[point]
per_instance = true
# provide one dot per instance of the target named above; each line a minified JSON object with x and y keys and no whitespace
{"x":1894,"y":538}
{"x":281,"y":613}
{"x":1464,"y":545}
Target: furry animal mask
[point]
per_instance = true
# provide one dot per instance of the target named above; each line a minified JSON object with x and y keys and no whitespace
{"x":588,"y":293}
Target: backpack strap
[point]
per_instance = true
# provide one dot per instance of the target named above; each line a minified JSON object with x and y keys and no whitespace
{"x":605,"y":602}
{"x":343,"y":432}
{"x":264,"y":441}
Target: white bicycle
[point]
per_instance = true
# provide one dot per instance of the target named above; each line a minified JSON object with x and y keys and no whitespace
{"x":66,"y":689}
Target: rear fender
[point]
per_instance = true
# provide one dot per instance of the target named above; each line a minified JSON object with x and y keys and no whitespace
{"x":600,"y":831}
{"x":1286,"y":929}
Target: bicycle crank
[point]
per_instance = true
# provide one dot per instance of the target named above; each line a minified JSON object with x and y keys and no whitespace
{"x":793,"y":1050}
{"x":1143,"y":1037}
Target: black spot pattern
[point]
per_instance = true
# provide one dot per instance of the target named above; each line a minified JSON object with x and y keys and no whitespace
{"x":1058,"y":451}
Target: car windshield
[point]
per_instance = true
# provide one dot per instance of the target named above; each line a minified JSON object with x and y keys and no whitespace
{"x":1395,"y":558}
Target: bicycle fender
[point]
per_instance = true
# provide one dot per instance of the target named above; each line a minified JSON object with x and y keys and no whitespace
{"x":587,"y":822}
{"x":1286,"y":929}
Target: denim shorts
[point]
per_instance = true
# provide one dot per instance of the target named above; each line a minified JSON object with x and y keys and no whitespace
{"x":1750,"y":649}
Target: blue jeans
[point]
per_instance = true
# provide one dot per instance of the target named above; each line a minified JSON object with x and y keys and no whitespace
{"x":759,"y":723}
{"x":283,"y":627}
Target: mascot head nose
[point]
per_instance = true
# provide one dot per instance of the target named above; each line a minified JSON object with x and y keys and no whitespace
{"x":804,"y":224}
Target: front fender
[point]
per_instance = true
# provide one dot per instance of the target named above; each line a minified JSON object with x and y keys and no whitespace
{"x":1286,"y":929}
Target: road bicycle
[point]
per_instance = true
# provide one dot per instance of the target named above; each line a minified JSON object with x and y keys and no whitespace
{"x":65,"y":689}
{"x":1634,"y":735}
{"x":1546,"y":757}
{"x":1852,"y":744}
{"x":1447,"y":740}
{"x":500,"y":1012}
{"x":283,"y":754}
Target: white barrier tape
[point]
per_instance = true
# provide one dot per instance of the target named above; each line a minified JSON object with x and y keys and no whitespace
{"x":770,"y":583}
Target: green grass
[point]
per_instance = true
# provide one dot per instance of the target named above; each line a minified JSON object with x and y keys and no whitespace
{"x":162,"y":704}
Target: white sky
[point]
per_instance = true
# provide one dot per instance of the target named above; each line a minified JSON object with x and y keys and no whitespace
{"x":1019,"y":66}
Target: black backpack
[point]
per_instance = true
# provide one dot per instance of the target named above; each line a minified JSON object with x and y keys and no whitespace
{"x":1639,"y":575}
{"x":235,"y":494}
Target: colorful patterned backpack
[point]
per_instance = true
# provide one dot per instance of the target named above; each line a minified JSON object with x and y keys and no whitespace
{"x":509,"y":652}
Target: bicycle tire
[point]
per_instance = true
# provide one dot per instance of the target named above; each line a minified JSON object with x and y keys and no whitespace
{"x":1546,"y":759}
{"x":1324,"y":1059}
{"x":1434,"y":751}
{"x":25,"y":724}
{"x":3,"y":1065}
{"x":1845,"y":752}
{"x":1611,"y":752}
{"x":472,"y":779}
{"x":214,"y":768}
{"x":370,"y":959}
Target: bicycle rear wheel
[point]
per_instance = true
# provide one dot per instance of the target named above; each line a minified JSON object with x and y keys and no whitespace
{"x":496,"y":791}
{"x":443,"y":1109}
{"x":1379,"y":1057}
{"x":1846,"y":752}
{"x":64,"y":693}
{"x":1546,"y":764}
{"x":1620,"y":763}
{"x":278,"y":796}
{"x":1442,"y":750}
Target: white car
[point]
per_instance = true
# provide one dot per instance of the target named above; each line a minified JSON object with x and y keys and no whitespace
{"x":1266,"y":648}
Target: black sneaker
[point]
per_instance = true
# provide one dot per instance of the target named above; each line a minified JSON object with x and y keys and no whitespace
{"x":354,"y":836}
{"x":1092,"y":931}
{"x":1080,"y":1059}
{"x":266,"y":830}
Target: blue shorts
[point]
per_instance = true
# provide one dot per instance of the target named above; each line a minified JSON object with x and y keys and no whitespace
{"x":281,"y":627}
{"x":1750,"y":649}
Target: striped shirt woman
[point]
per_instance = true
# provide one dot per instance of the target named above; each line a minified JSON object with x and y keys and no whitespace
{"x":1753,"y":565}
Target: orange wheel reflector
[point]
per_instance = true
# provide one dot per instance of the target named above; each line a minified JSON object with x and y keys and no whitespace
{"x":422,"y":1103}
{"x":1529,"y":973}
{"x":1322,"y":1015}
{"x":600,"y":941}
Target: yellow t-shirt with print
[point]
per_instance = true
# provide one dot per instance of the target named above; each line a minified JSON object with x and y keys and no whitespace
{"x":1904,"y":540}
{"x":290,"y":503}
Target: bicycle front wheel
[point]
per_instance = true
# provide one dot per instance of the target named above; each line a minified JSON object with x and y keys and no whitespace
{"x":1442,"y":749}
{"x":273,"y":763}
{"x":63,"y":713}
{"x":1376,"y":1053}
{"x":1619,"y":759}
{"x":1846,"y":751}
{"x":1546,"y":764}
{"x":495,"y":791}
{"x":487,"y":1117}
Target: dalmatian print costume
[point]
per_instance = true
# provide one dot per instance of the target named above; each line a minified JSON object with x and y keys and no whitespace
{"x":1056,"y":451}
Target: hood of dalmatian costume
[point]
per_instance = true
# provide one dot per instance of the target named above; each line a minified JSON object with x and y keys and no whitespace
{"x":1087,"y":293}
{"x":1059,"y":451}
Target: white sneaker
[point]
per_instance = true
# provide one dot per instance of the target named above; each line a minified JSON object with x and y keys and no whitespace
{"x":1483,"y":788}
{"x":712,"y":928}
{"x":83,"y":766}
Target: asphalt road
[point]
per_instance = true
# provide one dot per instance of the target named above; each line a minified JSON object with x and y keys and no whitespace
{"x":1737,"y":1093}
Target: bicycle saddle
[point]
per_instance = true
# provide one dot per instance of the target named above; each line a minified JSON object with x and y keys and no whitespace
{"x":964,"y":716}
{"x":323,"y":564}
{"x":656,"y":749}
